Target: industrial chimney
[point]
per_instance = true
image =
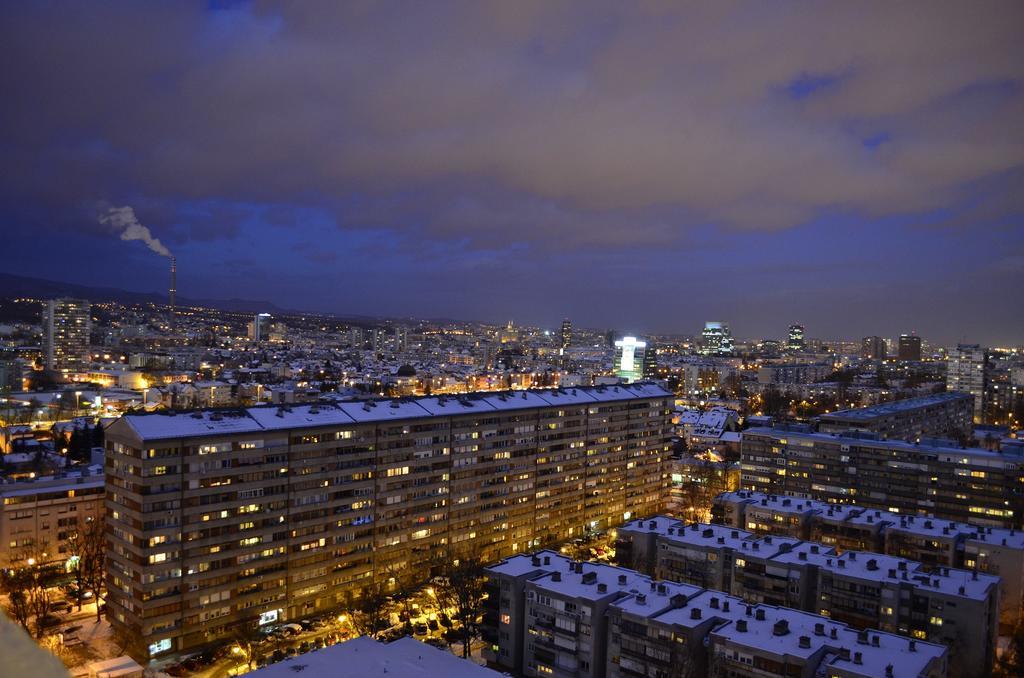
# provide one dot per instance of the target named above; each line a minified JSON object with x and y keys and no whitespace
{"x":173,"y":290}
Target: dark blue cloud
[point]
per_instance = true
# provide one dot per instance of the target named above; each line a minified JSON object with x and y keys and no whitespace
{"x":858,"y":168}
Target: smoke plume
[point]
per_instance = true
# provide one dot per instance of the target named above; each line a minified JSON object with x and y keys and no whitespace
{"x":124,"y":220}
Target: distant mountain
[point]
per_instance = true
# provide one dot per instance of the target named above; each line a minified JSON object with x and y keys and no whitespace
{"x":24,"y":286}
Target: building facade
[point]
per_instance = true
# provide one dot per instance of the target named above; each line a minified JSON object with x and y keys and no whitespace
{"x":66,"y":327}
{"x":939,"y":415}
{"x":965,"y":372}
{"x":37,"y":514}
{"x":930,"y":541}
{"x":983,"y":487}
{"x":551,"y":616}
{"x":872,"y":348}
{"x":956,"y":608}
{"x":220,"y":517}
{"x":909,"y":348}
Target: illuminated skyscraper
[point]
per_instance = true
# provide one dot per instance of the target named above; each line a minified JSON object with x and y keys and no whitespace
{"x":629,"y":360}
{"x":566,"y":333}
{"x":872,"y":348}
{"x":401,"y":339}
{"x":716,"y":339}
{"x":66,"y":326}
{"x":965,"y":372}
{"x":796,"y":338}
{"x":259,"y":327}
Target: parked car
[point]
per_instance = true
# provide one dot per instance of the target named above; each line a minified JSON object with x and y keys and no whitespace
{"x":49,"y":620}
{"x":291,"y":629}
{"x":420,"y":629}
{"x":432,"y":625}
{"x":60,"y":606}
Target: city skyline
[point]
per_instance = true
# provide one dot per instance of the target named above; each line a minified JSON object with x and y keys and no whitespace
{"x":853,"y":171}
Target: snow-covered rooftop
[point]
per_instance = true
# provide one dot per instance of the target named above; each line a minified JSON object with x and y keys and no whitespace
{"x":256,"y":419}
{"x":363,"y":656}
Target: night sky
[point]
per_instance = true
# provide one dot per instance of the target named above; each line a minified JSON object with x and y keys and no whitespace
{"x":858,"y":168}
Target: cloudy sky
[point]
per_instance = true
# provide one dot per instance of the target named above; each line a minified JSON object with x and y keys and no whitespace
{"x":856,"y":167}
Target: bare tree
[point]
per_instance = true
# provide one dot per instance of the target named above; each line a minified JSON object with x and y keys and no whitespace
{"x":370,"y":613}
{"x":406,"y":584}
{"x":707,"y":479}
{"x":74,"y":547}
{"x":16,"y":584}
{"x":461,"y":588}
{"x":39,"y":603}
{"x":92,"y":559}
{"x":247,"y":639}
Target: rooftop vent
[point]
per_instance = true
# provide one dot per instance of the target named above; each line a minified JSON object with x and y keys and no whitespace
{"x":857,"y":658}
{"x":819,"y":629}
{"x":556,"y":576}
{"x":602,"y":588}
{"x":725,"y":606}
{"x":759,"y":615}
{"x":622,"y":580}
{"x":741,"y":625}
{"x":805,"y":641}
{"x":590,"y":578}
{"x":781,"y":628}
{"x":695,"y":613}
{"x":714,"y":603}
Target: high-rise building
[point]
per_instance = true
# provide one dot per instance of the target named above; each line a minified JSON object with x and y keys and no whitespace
{"x":273,"y":514}
{"x":796,"y":338}
{"x":259,"y":327}
{"x":66,"y":327}
{"x":716,"y":339}
{"x":910,"y":347}
{"x":873,"y":348}
{"x":650,"y":362}
{"x":965,"y":372}
{"x":401,"y":339}
{"x":10,"y":373}
{"x":938,"y":415}
{"x":629,"y":359}
{"x":895,"y":475}
{"x":566,"y":333}
{"x":961,"y":605}
{"x":355,"y":338}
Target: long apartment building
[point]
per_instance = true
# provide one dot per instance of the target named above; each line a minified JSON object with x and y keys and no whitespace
{"x":933,"y":477}
{"x":928,"y":540}
{"x":551,"y":616}
{"x":957,"y":608}
{"x":37,"y":514}
{"x":266,"y":514}
{"x":937,"y":415}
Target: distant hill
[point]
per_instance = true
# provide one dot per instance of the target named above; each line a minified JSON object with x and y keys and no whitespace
{"x":39,"y":288}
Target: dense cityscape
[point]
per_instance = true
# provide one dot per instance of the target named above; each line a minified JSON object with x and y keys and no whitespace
{"x":523,"y":339}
